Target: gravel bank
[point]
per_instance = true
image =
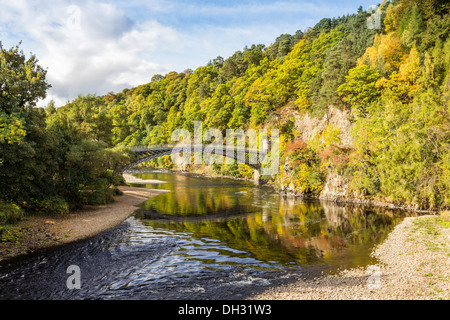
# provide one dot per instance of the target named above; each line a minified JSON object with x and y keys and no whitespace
{"x":414,"y":264}
{"x":135,"y":180}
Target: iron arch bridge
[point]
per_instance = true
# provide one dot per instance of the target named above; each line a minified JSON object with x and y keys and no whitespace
{"x":251,"y":157}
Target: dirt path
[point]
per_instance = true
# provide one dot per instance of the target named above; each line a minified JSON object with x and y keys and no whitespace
{"x":40,"y":232}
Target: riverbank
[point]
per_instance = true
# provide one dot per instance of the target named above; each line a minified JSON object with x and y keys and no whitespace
{"x":284,"y":193}
{"x":37,"y":233}
{"x":414,"y":264}
{"x":135,"y":180}
{"x":414,"y":261}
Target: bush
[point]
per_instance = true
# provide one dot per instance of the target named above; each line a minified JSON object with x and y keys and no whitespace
{"x":245,"y":171}
{"x":307,"y":176}
{"x":9,"y":213}
{"x":216,"y":168}
{"x":52,"y":205}
{"x":115,"y":179}
{"x":117,"y":192}
{"x":230,"y":170}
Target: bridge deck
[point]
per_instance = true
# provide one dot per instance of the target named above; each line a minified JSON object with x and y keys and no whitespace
{"x":195,"y":147}
{"x":238,"y":153}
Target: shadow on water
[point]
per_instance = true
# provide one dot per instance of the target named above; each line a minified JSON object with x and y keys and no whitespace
{"x":209,"y":238}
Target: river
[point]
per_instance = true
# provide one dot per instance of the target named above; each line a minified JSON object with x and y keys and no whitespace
{"x":208,"y":238}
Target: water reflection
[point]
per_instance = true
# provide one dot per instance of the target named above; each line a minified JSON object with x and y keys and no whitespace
{"x":206,"y":239}
{"x":195,"y":196}
{"x":277,"y":229}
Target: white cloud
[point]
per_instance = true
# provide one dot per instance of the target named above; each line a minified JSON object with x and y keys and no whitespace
{"x":88,"y":48}
{"x":96,"y":47}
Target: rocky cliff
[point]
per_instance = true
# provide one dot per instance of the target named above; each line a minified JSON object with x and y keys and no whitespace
{"x":307,"y":127}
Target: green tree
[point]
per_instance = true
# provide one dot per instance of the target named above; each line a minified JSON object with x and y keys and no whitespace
{"x":411,"y":27}
{"x":88,"y":116}
{"x":359,"y":90}
{"x":25,"y":148}
{"x":22,"y":83}
{"x":337,"y":63}
{"x":400,"y":151}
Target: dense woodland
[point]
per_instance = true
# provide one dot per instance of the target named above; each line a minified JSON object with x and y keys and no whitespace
{"x":393,"y":80}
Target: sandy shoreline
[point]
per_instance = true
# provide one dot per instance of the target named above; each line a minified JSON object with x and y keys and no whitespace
{"x":135,"y":180}
{"x":43,"y":232}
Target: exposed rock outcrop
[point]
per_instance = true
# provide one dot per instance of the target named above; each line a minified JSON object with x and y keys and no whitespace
{"x":308,"y":127}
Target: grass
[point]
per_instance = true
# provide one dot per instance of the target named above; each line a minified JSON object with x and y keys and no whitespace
{"x":444,"y":219}
{"x":428,"y":231}
{"x":427,"y":225}
{"x":12,"y":234}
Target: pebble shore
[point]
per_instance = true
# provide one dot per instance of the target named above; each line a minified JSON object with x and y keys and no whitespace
{"x":414,"y":264}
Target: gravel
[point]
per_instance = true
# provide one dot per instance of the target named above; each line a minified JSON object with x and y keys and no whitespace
{"x":414,"y":264}
{"x":135,"y":180}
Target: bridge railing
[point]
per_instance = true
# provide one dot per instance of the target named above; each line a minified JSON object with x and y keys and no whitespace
{"x":154,"y":146}
{"x":193,"y":147}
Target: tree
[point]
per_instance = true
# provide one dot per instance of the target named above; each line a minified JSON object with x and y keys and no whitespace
{"x":22,"y":84}
{"x":25,"y":148}
{"x":410,"y":70}
{"x":86,"y":176}
{"x":411,"y":27}
{"x":234,"y":66}
{"x":87,"y":115}
{"x":254,"y":55}
{"x":400,"y":151}
{"x":260,"y":100}
{"x":359,"y":90}
{"x":338,"y":61}
{"x":385,"y":55}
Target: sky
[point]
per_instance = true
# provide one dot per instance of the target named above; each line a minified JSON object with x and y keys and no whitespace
{"x":96,"y":47}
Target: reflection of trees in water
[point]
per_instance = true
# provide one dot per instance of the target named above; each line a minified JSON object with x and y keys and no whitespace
{"x":284,"y":229}
{"x":300,"y":231}
{"x":193,"y":201}
{"x":337,"y":216}
{"x":328,"y":227}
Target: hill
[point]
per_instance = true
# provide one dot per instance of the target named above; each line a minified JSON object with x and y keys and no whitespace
{"x":361,"y":101}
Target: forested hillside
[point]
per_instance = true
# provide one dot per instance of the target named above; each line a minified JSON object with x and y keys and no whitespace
{"x":393,"y":82}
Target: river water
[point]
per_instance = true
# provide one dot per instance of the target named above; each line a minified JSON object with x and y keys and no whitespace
{"x":208,"y":238}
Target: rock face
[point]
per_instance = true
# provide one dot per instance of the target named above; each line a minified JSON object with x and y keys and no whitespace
{"x":336,"y":187}
{"x":309,"y":126}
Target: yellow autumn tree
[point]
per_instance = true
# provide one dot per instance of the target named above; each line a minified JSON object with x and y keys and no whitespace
{"x":259,"y":99}
{"x":386,"y":54}
{"x":409,"y":70}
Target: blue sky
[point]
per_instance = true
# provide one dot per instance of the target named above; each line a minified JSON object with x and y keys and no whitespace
{"x":92,"y":46}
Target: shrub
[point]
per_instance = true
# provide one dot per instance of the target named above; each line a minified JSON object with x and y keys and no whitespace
{"x":114,"y":178}
{"x":9,"y":213}
{"x":230,"y":170}
{"x":51,"y":205}
{"x":335,"y":156}
{"x":245,"y":171}
{"x":307,"y":174}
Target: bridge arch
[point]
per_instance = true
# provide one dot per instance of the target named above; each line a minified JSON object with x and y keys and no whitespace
{"x":255,"y":157}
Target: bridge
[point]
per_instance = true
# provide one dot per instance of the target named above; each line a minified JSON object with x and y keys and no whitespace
{"x":251,"y":157}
